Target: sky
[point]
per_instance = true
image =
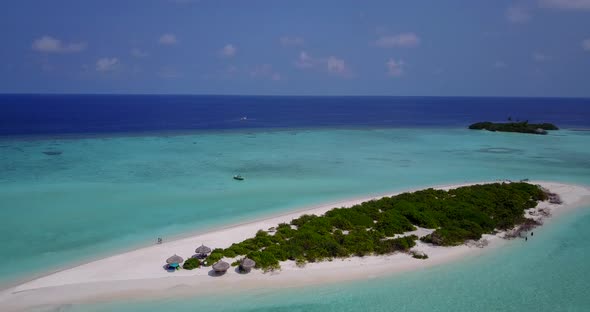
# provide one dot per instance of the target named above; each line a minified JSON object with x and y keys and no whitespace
{"x":538,"y":48}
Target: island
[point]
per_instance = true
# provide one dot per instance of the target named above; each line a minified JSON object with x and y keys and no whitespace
{"x":378,"y":227}
{"x":361,"y":239}
{"x":521,"y":127}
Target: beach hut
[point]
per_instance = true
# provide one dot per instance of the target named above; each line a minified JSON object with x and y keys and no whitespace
{"x":246,"y":265}
{"x":174,"y":262}
{"x":202,"y":251}
{"x":220,"y":267}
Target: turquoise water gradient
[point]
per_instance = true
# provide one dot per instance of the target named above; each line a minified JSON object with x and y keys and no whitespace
{"x":103,"y":195}
{"x":547,"y":273}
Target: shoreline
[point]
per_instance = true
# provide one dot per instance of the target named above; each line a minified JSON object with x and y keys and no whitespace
{"x":138,"y":273}
{"x":214,"y":228}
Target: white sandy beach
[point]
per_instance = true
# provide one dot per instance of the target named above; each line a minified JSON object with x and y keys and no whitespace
{"x":140,"y":273}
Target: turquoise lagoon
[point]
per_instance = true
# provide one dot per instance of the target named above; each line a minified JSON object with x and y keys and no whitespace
{"x":547,"y":273}
{"x":112,"y":193}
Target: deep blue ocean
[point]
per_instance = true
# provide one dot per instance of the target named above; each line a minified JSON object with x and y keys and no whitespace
{"x":87,"y":176}
{"x":79,"y":114}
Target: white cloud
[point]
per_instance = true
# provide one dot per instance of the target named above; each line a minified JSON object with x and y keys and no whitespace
{"x":499,"y":65}
{"x":395,"y":68}
{"x":566,"y":4}
{"x":261,"y":70}
{"x":292,"y":41}
{"x":304,"y":60}
{"x":540,"y":57}
{"x":586,"y":44}
{"x":229,"y":50}
{"x":228,"y":72}
{"x":518,"y":14}
{"x":265,"y":71}
{"x":106,"y":64}
{"x":168,"y":72}
{"x":332,"y":64}
{"x":139,"y":53}
{"x":405,"y":40}
{"x":231,"y":70}
{"x":48,"y":44}
{"x":168,"y":39}
{"x":336,"y":65}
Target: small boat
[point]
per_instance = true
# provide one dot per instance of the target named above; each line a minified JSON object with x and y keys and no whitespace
{"x":238,"y":177}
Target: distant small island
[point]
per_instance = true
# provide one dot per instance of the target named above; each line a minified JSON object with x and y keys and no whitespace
{"x":522,"y":127}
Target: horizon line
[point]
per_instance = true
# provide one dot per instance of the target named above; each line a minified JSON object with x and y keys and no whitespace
{"x":298,"y":95}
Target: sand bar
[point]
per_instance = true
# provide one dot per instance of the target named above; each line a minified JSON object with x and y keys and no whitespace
{"x":140,"y":273}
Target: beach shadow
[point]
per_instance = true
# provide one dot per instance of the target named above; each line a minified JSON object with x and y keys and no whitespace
{"x":242,"y":272}
{"x":237,"y":270}
{"x":165,"y":267}
{"x":212,"y":273}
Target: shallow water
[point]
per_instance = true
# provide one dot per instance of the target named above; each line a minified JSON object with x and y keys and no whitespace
{"x":546,"y":273}
{"x":124,"y":176}
{"x":103,"y":195}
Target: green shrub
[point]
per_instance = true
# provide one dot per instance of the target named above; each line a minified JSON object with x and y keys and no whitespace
{"x":213,"y":258}
{"x":300,"y":262}
{"x":229,"y":253}
{"x":358,"y":242}
{"x":523,"y":127}
{"x":457,"y":215}
{"x":394,"y":245}
{"x":264,"y":260}
{"x":393,"y":222}
{"x":285,"y":230}
{"x":303,"y":220}
{"x":191,"y":263}
{"x":417,"y":255}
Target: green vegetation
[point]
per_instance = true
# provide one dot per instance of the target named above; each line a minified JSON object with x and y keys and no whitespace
{"x":368,"y":229}
{"x":214,"y":257}
{"x":191,"y":263}
{"x":522,"y":127}
{"x":419,"y":255}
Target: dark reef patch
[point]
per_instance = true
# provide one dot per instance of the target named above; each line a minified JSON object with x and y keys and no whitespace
{"x":52,"y":153}
{"x":500,"y":150}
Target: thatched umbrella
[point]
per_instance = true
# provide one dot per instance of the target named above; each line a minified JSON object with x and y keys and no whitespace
{"x":175,"y":259}
{"x":247,"y":264}
{"x":202,"y":250}
{"x":221,"y":266}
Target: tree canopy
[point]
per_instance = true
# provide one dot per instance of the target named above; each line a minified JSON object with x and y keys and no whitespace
{"x":456,"y":215}
{"x":522,"y":127}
